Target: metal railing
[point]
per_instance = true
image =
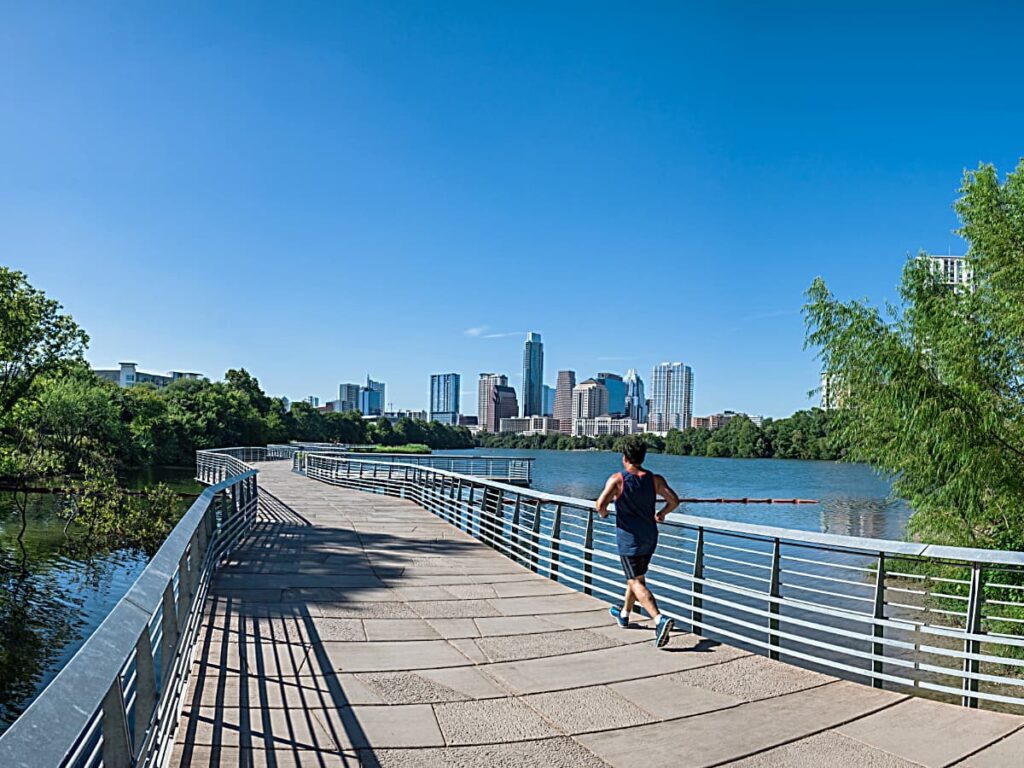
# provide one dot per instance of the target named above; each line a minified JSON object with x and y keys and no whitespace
{"x":517,"y":470}
{"x":940,"y":621}
{"x":118,"y":700}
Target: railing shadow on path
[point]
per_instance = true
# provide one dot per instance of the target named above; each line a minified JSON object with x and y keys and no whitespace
{"x":263,"y":682}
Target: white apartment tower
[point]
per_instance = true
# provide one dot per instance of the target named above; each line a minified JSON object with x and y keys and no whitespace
{"x":671,"y":397}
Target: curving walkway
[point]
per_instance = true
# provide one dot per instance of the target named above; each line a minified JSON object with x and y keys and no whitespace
{"x":355,"y":629}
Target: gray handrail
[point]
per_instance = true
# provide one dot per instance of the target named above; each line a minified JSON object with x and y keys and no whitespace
{"x":117,"y":701}
{"x":839,"y":541}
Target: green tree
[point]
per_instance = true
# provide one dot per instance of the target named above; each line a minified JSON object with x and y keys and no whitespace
{"x":933,"y":390}
{"x":36,"y":339}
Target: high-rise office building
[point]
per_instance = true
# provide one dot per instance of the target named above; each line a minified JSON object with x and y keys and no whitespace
{"x":371,"y":398}
{"x":549,"y":401}
{"x":671,"y":397}
{"x":348,"y":397}
{"x":563,"y":400}
{"x":313,"y":400}
{"x":589,"y":400}
{"x":444,"y":398}
{"x":496,"y":401}
{"x":636,"y":403}
{"x":616,"y":392}
{"x":533,"y":375}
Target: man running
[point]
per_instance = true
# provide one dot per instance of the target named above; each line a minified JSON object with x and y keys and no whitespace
{"x":635,"y":493}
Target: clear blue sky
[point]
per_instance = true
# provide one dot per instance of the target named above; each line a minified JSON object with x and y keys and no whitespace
{"x":321,"y":191}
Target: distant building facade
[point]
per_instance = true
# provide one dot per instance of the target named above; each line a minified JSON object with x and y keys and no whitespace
{"x":616,"y":392}
{"x":953,"y":270}
{"x":604,"y":425}
{"x":348,"y":397}
{"x":313,"y":400}
{"x":371,"y":398}
{"x":589,"y":400}
{"x":533,"y":375}
{"x":563,"y":400}
{"x":530,"y":425}
{"x":496,"y":400}
{"x":549,"y":401}
{"x":671,"y":397}
{"x":405,"y":413}
{"x":127,"y":375}
{"x":444,"y":398}
{"x":718,"y":420}
{"x":636,"y":402}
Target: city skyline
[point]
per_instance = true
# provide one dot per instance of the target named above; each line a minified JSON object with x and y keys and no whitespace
{"x":645,"y":153}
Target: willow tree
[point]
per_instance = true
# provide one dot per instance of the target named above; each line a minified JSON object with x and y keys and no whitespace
{"x":932,"y":391}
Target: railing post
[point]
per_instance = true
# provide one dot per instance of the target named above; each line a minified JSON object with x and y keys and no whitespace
{"x":696,"y":602}
{"x":467,"y":512}
{"x":556,"y":534}
{"x":169,"y":641}
{"x":535,"y":536}
{"x":877,"y":630}
{"x":973,"y":627}
{"x":184,"y":590}
{"x":516,"y":555}
{"x":773,"y":607}
{"x":145,"y":689}
{"x":588,"y":558}
{"x":117,"y":750}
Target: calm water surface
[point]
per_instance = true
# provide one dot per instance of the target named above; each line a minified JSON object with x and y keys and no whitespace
{"x":52,"y":598}
{"x":854,"y":501}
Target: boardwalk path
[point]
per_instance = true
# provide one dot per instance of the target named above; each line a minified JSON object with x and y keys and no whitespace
{"x":355,"y":629}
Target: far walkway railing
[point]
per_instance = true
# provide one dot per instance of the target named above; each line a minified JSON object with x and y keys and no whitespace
{"x":517,"y":470}
{"x":118,"y":701}
{"x":939,"y":621}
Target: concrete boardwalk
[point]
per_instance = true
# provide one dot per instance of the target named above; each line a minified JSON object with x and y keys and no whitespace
{"x":355,"y":629}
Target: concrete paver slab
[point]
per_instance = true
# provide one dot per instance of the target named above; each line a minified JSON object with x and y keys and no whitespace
{"x":732,"y":734}
{"x":406,"y":725}
{"x":1004,"y":752}
{"x":830,"y":747}
{"x":931,"y":733}
{"x":549,"y":753}
{"x":581,"y":710}
{"x":489,"y":721}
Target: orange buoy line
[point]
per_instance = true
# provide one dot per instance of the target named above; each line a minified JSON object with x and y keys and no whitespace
{"x":747,"y":500}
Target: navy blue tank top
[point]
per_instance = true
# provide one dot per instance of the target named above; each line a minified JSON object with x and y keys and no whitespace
{"x":636,"y":530}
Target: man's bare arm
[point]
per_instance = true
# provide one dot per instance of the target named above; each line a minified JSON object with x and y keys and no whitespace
{"x":608,"y":495}
{"x":664,"y":490}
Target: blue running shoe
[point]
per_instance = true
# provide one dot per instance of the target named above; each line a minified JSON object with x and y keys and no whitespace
{"x":661,"y":633}
{"x":615,"y":612}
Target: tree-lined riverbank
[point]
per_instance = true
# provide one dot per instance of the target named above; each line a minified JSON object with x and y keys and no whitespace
{"x":804,"y":435}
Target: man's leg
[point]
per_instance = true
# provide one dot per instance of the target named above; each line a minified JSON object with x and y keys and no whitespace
{"x":629,"y":599}
{"x":637,"y":590}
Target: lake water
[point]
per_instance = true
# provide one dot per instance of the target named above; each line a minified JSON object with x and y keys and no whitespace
{"x":853,"y":500}
{"x":52,"y":598}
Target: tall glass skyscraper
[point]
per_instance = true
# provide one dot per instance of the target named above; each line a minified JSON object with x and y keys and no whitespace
{"x":636,"y":403}
{"x":444,"y":398}
{"x":671,"y":397}
{"x":533,"y":375}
